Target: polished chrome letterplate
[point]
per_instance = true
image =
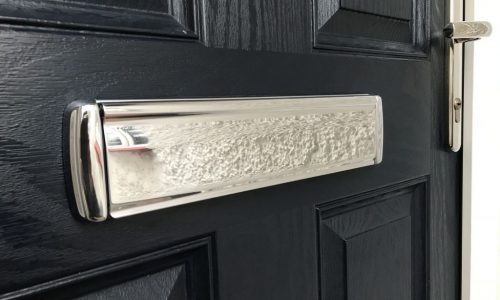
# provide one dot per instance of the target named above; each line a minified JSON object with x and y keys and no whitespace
{"x":129,"y":157}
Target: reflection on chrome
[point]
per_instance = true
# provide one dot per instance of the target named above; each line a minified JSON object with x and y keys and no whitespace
{"x":166,"y":153}
{"x":205,"y":149}
{"x":126,"y":138}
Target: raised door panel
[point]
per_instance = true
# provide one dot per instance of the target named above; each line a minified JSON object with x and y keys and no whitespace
{"x":173,"y":18}
{"x":395,"y":27}
{"x":181,"y":272}
{"x":380,"y":271}
{"x":170,"y":284}
{"x":373,"y":246}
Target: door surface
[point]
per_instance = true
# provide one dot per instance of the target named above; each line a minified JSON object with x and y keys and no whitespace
{"x":389,"y":231}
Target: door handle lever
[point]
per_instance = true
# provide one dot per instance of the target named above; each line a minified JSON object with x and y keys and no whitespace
{"x":462,"y":32}
{"x":458,"y":34}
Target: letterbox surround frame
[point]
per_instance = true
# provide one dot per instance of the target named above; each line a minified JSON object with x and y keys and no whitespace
{"x":87,"y":151}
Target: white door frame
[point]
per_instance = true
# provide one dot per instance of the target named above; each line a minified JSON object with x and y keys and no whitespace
{"x":480,"y":211}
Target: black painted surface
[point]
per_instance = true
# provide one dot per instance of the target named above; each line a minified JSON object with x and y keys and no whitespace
{"x":394,"y":27}
{"x":265,"y":240}
{"x":179,"y":20}
{"x":373,"y":246}
{"x":445,"y":191}
{"x":271,"y":25}
{"x":182,"y":271}
{"x":396,"y":9}
{"x":362,"y":25}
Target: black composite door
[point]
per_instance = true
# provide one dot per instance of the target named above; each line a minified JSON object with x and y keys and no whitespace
{"x":389,"y":231}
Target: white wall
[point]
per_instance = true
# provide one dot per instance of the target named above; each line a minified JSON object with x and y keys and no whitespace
{"x":484,"y":144}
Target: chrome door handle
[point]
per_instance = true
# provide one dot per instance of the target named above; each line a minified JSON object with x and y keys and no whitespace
{"x":462,"y":32}
{"x":458,"y":34}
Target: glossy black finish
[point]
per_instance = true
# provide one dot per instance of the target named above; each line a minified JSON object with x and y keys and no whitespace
{"x":266,"y":241}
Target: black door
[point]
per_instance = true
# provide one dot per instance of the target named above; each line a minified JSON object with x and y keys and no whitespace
{"x":389,"y":231}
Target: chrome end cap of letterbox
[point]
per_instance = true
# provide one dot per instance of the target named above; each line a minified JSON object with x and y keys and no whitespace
{"x":87,"y":161}
{"x":380,"y":130}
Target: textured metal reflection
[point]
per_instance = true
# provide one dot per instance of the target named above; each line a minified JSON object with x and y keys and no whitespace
{"x":161,"y":154}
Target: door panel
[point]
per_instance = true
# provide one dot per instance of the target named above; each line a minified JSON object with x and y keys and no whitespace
{"x":169,"y":284}
{"x":379,"y":241}
{"x":395,"y":27}
{"x":340,"y":234}
{"x":182,"y":271}
{"x":176,"y":18}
